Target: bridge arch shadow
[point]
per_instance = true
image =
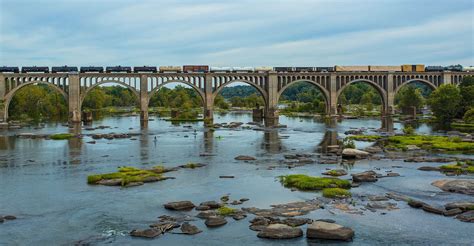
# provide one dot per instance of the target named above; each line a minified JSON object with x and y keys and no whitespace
{"x":9,"y":96}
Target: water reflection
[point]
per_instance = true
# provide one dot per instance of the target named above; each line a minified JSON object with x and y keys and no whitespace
{"x":329,"y":142}
{"x":272,"y":141}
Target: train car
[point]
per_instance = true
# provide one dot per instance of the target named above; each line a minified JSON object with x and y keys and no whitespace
{"x":195,"y":68}
{"x":171,"y":69}
{"x":385,"y":68}
{"x":35,"y":69}
{"x":468,"y":69}
{"x":352,"y":68}
{"x":243,"y":69}
{"x":64,"y":69}
{"x":413,"y":68}
{"x":263,"y":69}
{"x":220,"y":69}
{"x":434,"y":69}
{"x":91,"y":69}
{"x":283,"y":69}
{"x":5,"y":69}
{"x":324,"y":69}
{"x":454,"y":68}
{"x":118,"y":69}
{"x":145,"y":69}
{"x":304,"y":69}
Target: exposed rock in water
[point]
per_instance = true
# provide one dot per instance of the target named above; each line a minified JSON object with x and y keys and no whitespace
{"x":428,"y":168}
{"x":464,"y":206}
{"x":381,"y":205}
{"x":147,"y":233}
{"x":215,"y":221}
{"x":189,"y":229}
{"x":293,"y":222}
{"x":280,"y":231}
{"x":245,"y":158}
{"x":431,"y":209}
{"x":286,"y":210}
{"x":367,"y":176}
{"x":377,"y":198}
{"x":9,"y":217}
{"x":415,"y":203}
{"x":452,"y":212}
{"x":463,"y":186}
{"x":349,"y":153}
{"x":181,"y":205}
{"x":211,"y":204}
{"x":331,"y":231}
{"x":429,"y":159}
{"x":466,"y":217}
{"x":206,"y":214}
{"x":202,"y":208}
{"x":336,"y":172}
{"x":374,"y":149}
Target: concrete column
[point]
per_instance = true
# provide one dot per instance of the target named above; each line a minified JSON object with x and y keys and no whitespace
{"x":3,"y":109}
{"x":208,"y":100}
{"x":447,"y":77}
{"x":388,"y":109}
{"x":74,"y":97}
{"x":271,"y":104}
{"x":332,"y":96}
{"x":143,"y":99}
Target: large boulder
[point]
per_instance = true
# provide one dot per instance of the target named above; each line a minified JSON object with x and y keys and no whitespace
{"x":189,"y":229}
{"x":463,"y":186}
{"x":332,"y":231}
{"x":349,"y":153}
{"x":280,"y":231}
{"x":367,"y":176}
{"x":181,"y":205}
{"x":215,"y":221}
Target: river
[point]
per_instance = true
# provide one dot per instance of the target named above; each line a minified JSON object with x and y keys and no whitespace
{"x":43,"y":183}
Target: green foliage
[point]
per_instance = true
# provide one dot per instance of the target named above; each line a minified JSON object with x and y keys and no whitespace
{"x":247,"y":102}
{"x":469,"y":115}
{"x":466,"y":88}
{"x":458,"y":168}
{"x":226,"y":211}
{"x":107,"y":96}
{"x":61,"y":136}
{"x":348,"y":143}
{"x":430,"y":142}
{"x":125,"y":174}
{"x":354,"y":93}
{"x":304,"y":182}
{"x":408,"y":130}
{"x":408,"y":97}
{"x":445,"y":102}
{"x":367,"y":138}
{"x":176,"y":98}
{"x":38,"y":102}
{"x":336,"y":193}
{"x":220,"y":102}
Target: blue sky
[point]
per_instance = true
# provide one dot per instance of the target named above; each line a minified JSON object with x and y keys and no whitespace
{"x":237,"y":32}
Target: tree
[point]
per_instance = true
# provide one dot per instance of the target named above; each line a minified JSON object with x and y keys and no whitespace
{"x":469,"y":116}
{"x":367,"y":99}
{"x":408,"y":97}
{"x":466,"y":88}
{"x":221,"y":103}
{"x":445,"y":102}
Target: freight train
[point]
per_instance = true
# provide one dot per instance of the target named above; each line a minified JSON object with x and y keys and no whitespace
{"x":206,"y":69}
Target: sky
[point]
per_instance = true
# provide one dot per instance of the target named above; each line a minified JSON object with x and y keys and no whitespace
{"x":236,"y":32}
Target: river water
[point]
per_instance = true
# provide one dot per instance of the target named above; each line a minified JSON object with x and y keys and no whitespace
{"x":43,"y":183}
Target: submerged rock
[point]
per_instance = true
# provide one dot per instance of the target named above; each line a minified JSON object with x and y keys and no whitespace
{"x":147,"y":233}
{"x":245,"y":158}
{"x":286,"y":210}
{"x":331,"y":231}
{"x":466,"y":217}
{"x":367,"y":176}
{"x":431,"y":209}
{"x":181,"y":205}
{"x":189,"y":229}
{"x":463,"y":186}
{"x":280,"y":231}
{"x":428,"y":168}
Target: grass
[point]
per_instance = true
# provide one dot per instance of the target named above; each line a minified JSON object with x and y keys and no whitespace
{"x":61,"y":136}
{"x":431,"y":142}
{"x":191,"y":165}
{"x":465,"y":127}
{"x":336,"y":193}
{"x":368,"y":138}
{"x":459,"y":167}
{"x":126,"y":175}
{"x":304,"y":182}
{"x":226,"y":211}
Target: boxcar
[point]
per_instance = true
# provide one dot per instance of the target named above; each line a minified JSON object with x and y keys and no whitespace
{"x":220,"y":69}
{"x":35,"y":69}
{"x":385,"y":68}
{"x":352,"y":68}
{"x":118,"y":69}
{"x":170,"y":69}
{"x":5,"y":69}
{"x":434,"y":68}
{"x":413,"y":68}
{"x":304,"y":69}
{"x":263,"y":69}
{"x":91,"y":69}
{"x":283,"y":69}
{"x":64,"y":69}
{"x":145,"y":69}
{"x":195,"y":68}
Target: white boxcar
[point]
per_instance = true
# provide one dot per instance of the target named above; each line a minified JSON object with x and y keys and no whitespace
{"x":220,"y":69}
{"x":242,"y":69}
{"x":263,"y":69}
{"x":385,"y":68}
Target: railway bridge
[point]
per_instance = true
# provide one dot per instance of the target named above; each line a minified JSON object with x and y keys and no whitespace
{"x":75,"y":86}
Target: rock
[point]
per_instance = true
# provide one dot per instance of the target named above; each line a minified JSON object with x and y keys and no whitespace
{"x":181,"y":205}
{"x":378,"y":198}
{"x":336,"y":172}
{"x":189,"y":229}
{"x":9,"y":217}
{"x":429,"y":159}
{"x":393,"y":174}
{"x":332,"y":231}
{"x":290,"y":156}
{"x":226,"y":177}
{"x":412,"y":148}
{"x":452,"y":212}
{"x":381,"y":205}
{"x":349,"y":153}
{"x":431,"y":209}
{"x":374,"y":149}
{"x":415,"y":203}
{"x":280,"y":231}
{"x":1,"y":219}
{"x":367,"y":176}
{"x":243,"y":199}
{"x":211,"y":204}
{"x":110,"y":182}
{"x":245,"y":158}
{"x":132,"y":184}
{"x":428,"y":168}
{"x":327,"y":220}
{"x":293,"y":222}
{"x":147,"y":233}
{"x":239,"y":215}
{"x":464,"y":206}
{"x":304,"y":160}
{"x":463,"y":186}
{"x":215,"y":221}
{"x":235,"y":202}
{"x":206,"y":214}
{"x":202,"y":208}
{"x":466,"y":217}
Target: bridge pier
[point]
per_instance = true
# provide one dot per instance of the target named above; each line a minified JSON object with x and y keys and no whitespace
{"x":3,"y":109}
{"x":74,"y":99}
{"x":208,"y":101}
{"x":143,"y":100}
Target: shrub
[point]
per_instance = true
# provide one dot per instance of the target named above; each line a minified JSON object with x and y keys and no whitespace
{"x":469,"y":116}
{"x":348,"y":143}
{"x":408,"y":130}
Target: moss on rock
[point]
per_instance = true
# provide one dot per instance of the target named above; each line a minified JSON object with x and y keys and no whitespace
{"x":305,"y":182}
{"x":336,"y":193}
{"x":61,"y":136}
{"x":127,"y":175}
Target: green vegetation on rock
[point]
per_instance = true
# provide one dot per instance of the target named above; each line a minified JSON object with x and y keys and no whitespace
{"x":61,"y":136}
{"x":367,"y":138}
{"x":336,"y":193}
{"x":430,"y":142}
{"x":127,"y":175}
{"x":459,"y":167}
{"x":226,"y":211}
{"x":305,"y":182}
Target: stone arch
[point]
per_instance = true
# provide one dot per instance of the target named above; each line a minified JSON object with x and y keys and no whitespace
{"x":86,"y":92}
{"x":382,"y":92}
{"x":9,"y":96}
{"x":197,"y":89}
{"x":431,"y":85}
{"x":326,"y":94}
{"x":260,"y":89}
